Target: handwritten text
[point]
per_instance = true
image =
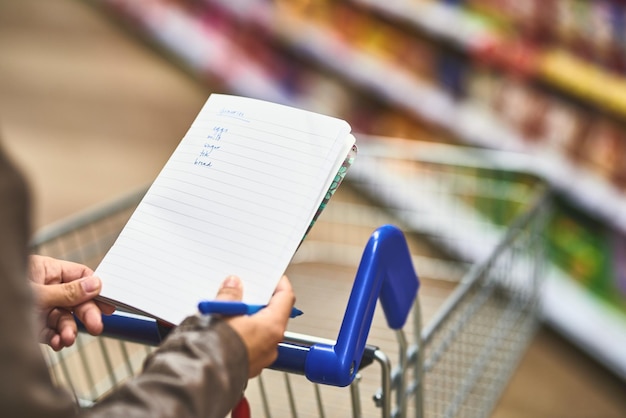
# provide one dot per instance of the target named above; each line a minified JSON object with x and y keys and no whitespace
{"x":233,"y":113}
{"x":204,"y":158}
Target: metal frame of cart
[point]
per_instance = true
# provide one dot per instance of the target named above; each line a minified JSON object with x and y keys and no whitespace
{"x":457,"y":365}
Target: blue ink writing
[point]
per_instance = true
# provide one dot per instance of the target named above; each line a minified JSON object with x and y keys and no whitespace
{"x":233,"y":113}
{"x":208,"y":149}
{"x":199,"y":161}
{"x":205,"y":156}
{"x":217,"y":132}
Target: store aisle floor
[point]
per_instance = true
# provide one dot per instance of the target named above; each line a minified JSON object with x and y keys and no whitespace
{"x":91,"y":113}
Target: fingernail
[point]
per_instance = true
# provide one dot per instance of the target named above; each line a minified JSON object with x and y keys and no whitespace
{"x":90,"y":284}
{"x":231,"y":282}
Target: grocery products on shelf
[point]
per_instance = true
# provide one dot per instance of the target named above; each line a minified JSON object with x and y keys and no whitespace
{"x":473,"y":101}
{"x":576,"y":45}
{"x":433,"y":85}
{"x":590,"y":253}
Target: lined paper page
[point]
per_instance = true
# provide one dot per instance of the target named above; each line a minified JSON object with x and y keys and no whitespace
{"x":235,"y":197}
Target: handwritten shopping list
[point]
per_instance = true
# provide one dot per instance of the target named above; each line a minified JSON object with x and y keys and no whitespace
{"x":235,"y":197}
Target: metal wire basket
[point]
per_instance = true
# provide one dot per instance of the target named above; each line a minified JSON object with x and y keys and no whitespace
{"x":474,"y":235}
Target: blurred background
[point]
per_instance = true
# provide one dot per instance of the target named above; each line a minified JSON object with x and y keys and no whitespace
{"x":95,"y":95}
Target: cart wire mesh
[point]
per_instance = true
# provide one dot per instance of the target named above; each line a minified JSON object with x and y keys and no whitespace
{"x":474,"y":232}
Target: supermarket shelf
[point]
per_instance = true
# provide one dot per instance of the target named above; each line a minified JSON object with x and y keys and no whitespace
{"x":459,"y":28}
{"x":567,"y":306}
{"x":588,"y":322}
{"x":206,"y":51}
{"x":201,"y":48}
{"x":439,"y":20}
{"x":386,"y":81}
{"x":465,"y":120}
{"x":428,"y":209}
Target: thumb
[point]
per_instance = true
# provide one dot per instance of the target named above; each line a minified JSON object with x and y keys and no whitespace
{"x":67,"y":295}
{"x":231,"y":289}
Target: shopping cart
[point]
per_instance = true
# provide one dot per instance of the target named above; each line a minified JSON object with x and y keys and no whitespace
{"x":469,"y":227}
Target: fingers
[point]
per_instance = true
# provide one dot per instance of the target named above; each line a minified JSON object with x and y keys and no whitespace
{"x":60,"y":330}
{"x":48,"y":270}
{"x":61,"y":323}
{"x":280,"y":304}
{"x":263,"y":331}
{"x":282,"y":301}
{"x":105,"y":308}
{"x":67,"y":295}
{"x":62,"y":289}
{"x":231,"y":289}
{"x":91,"y":317}
{"x":66,"y":327}
{"x":74,"y":296}
{"x":284,"y":285}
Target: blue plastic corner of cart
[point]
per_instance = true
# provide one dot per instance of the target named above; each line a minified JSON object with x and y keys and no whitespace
{"x":401,"y":283}
{"x":385,"y":271}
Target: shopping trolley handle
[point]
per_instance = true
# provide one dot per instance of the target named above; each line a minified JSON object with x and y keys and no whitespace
{"x":385,"y":272}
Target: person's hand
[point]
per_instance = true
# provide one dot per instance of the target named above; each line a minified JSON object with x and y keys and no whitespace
{"x":62,"y":289}
{"x":263,"y":331}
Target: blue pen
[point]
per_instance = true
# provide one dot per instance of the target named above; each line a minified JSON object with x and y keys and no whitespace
{"x":223,"y":307}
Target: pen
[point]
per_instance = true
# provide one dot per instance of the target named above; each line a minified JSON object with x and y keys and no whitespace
{"x":235,"y":308}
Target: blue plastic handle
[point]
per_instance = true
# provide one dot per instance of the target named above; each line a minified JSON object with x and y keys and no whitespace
{"x":129,"y":327}
{"x":385,"y":271}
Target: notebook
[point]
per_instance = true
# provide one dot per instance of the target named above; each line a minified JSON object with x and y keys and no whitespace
{"x":237,"y":196}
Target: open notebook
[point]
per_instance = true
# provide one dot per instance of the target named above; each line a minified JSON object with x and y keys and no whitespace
{"x":237,"y":196}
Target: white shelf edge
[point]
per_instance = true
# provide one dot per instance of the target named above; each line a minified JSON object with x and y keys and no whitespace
{"x":598,"y":329}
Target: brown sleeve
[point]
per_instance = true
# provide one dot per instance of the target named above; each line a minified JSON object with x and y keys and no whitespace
{"x":26,"y":389}
{"x":200,"y":370}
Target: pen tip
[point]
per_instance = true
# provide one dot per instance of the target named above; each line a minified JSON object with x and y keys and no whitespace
{"x":296,"y":312}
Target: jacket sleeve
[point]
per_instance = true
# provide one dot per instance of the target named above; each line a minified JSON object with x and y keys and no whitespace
{"x":26,"y":389}
{"x":200,"y":370}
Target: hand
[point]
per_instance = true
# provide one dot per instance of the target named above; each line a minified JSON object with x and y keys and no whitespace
{"x":263,"y":331}
{"x":62,"y":289}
